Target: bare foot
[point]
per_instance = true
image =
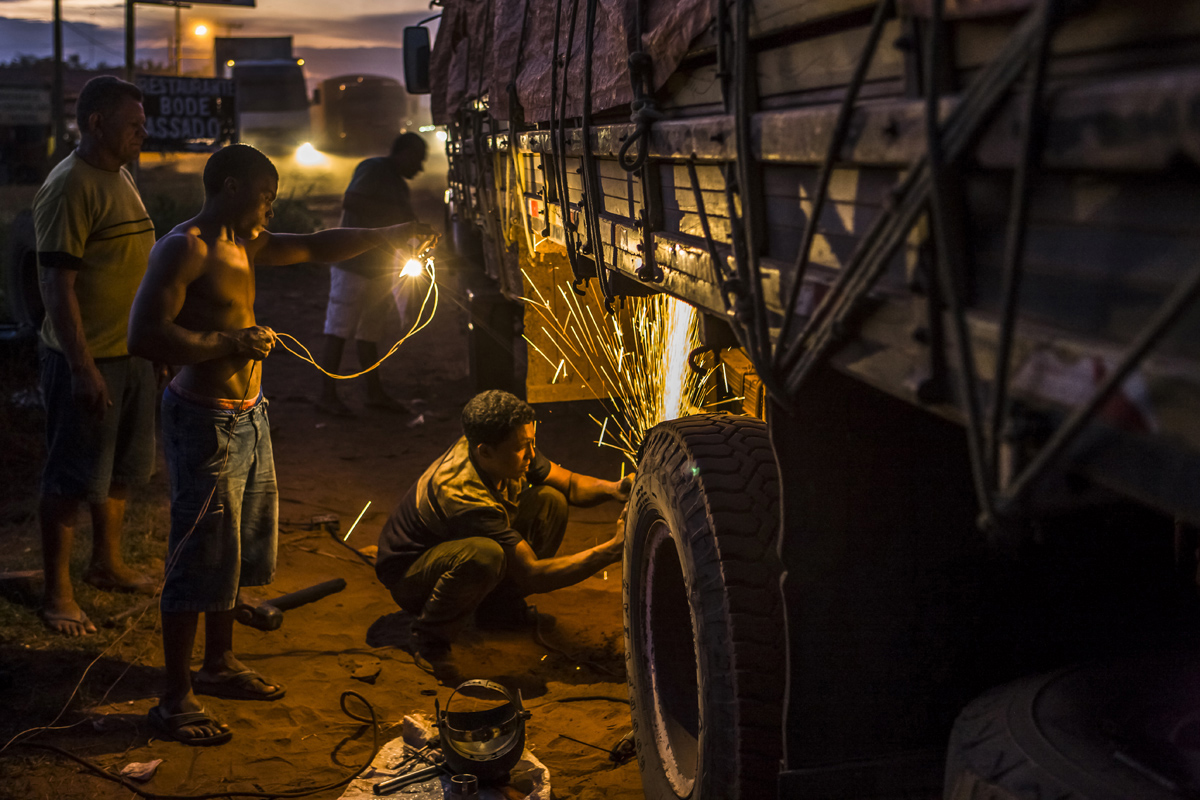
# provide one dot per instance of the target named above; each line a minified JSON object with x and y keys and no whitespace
{"x":119,"y":578}
{"x":66,"y":618}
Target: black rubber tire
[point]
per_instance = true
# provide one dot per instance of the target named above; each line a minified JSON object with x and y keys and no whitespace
{"x":1125,"y":730}
{"x":704,"y":622}
{"x":24,"y":295}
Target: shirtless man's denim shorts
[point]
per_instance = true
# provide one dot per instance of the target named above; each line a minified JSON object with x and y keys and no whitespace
{"x":224,"y":503}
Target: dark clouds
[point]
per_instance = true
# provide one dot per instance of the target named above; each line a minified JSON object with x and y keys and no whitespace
{"x":368,"y":43}
{"x":91,"y":42}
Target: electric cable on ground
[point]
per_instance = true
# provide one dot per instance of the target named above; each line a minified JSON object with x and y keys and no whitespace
{"x":167,"y":567}
{"x":149,"y":795}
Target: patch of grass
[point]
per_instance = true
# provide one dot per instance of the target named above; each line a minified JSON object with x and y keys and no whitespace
{"x":168,"y":209}
{"x":22,"y":438}
{"x":292,"y":215}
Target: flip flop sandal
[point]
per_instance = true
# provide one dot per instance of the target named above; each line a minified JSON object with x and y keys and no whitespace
{"x":244,"y":685}
{"x":49,"y":618}
{"x":170,"y":725}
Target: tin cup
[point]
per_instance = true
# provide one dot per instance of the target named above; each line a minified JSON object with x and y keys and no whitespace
{"x":464,"y":787}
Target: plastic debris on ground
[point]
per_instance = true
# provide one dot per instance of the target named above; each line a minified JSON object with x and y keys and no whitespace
{"x":141,"y":770}
{"x":530,"y":776}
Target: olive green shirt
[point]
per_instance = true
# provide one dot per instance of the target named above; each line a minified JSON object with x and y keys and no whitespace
{"x":92,"y":220}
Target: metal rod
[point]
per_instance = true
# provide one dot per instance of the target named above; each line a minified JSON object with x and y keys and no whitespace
{"x":130,"y":42}
{"x":949,"y":290}
{"x":56,"y":94}
{"x":1066,"y":433}
{"x":1031,"y":146}
{"x":407,"y":779}
{"x":836,"y":140}
{"x":889,"y":229}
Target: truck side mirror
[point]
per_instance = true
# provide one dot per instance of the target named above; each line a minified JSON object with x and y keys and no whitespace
{"x":416,"y":59}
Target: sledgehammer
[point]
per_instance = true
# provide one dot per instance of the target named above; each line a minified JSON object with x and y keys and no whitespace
{"x":268,"y":616}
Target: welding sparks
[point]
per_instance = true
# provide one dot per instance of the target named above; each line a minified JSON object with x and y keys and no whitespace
{"x":355,"y":525}
{"x":638,"y":358}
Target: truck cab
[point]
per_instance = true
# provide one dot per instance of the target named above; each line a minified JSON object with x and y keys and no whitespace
{"x":272,"y":104}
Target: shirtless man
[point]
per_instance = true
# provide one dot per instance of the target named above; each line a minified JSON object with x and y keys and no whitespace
{"x":195,"y":308}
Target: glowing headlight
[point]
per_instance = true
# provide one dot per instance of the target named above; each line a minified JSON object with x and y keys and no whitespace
{"x":309,"y":156}
{"x":441,"y":136}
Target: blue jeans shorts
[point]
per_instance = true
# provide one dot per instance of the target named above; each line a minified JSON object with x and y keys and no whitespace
{"x":224,"y":504}
{"x":86,"y":455}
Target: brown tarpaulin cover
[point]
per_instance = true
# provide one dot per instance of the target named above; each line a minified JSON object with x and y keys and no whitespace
{"x":479,"y":48}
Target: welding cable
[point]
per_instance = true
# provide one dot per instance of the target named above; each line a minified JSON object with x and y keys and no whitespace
{"x":569,"y":228}
{"x":416,"y":328}
{"x":141,"y":792}
{"x":582,"y":699}
{"x":167,"y":567}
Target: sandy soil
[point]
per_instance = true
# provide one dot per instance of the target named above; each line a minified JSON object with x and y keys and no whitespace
{"x":345,"y":642}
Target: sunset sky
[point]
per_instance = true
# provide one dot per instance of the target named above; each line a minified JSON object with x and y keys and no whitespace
{"x":363,"y":37}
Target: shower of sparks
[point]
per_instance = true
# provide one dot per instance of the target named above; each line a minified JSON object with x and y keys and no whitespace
{"x":639,"y":354}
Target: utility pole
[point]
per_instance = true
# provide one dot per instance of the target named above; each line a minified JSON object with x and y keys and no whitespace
{"x":178,"y":39}
{"x":130,"y":43}
{"x":56,"y":92}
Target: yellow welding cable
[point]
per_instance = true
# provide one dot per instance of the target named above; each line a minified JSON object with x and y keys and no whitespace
{"x":418,"y":325}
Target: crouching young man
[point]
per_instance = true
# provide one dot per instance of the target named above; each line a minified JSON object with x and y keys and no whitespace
{"x":479,"y":530}
{"x":195,"y":308}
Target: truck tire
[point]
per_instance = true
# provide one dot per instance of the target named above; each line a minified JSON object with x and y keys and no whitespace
{"x":704,"y":626}
{"x":1126,"y":730}
{"x":21,"y":282}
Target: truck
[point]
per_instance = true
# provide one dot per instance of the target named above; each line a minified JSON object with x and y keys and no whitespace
{"x":361,"y":114}
{"x":272,"y":104}
{"x":932,"y":531}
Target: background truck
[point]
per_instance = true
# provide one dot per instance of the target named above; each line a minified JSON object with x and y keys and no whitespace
{"x":361,"y":114}
{"x":939,"y":537}
{"x":272,"y":97}
{"x":272,"y":105}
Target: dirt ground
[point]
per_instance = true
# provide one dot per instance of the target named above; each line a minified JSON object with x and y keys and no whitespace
{"x":94,"y":692}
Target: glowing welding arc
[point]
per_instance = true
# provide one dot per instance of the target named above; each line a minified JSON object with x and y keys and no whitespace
{"x":355,"y":525}
{"x":680,"y":317}
{"x":412,"y":269}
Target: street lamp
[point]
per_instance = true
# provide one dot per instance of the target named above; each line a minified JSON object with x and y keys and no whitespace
{"x":201,"y":30}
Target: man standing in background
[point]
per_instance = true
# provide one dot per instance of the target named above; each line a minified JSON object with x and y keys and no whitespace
{"x":93,"y":239}
{"x":362,"y":289}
